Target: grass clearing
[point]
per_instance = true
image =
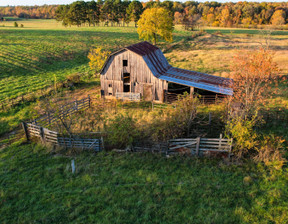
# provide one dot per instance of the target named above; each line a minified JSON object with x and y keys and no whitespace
{"x":38,"y":186}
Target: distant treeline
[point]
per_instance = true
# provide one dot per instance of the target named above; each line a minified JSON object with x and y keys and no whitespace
{"x":29,"y":12}
{"x":189,"y":13}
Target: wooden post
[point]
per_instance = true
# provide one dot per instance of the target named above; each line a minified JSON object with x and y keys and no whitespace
{"x":76,"y":105}
{"x":191,"y":91}
{"x":102,"y":141}
{"x":220,"y":142}
{"x":152,"y":105}
{"x":42,"y":135}
{"x":197,"y":145}
{"x":230,"y":149}
{"x":89,"y":100}
{"x":24,"y":125}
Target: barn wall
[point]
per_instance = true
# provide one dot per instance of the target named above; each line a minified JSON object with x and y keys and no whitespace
{"x":140,"y":76}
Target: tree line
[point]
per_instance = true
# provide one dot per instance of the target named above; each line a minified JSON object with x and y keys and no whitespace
{"x":190,"y":13}
{"x":29,"y":12}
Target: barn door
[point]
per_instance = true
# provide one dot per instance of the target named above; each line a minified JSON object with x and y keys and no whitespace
{"x":147,"y":92}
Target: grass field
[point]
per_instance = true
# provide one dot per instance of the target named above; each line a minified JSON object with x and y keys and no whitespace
{"x":38,"y":187}
{"x":36,"y":184}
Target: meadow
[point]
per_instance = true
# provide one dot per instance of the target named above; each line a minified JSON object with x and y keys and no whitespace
{"x":37,"y":186}
{"x":36,"y":182}
{"x":33,"y":59}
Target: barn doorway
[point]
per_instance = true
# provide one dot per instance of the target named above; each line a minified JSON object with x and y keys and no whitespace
{"x":126,"y":82}
{"x":174,"y":90}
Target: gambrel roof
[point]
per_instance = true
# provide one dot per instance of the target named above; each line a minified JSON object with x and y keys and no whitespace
{"x":159,"y":66}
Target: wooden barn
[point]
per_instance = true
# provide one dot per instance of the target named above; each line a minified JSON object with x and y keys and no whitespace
{"x":142,"y":71}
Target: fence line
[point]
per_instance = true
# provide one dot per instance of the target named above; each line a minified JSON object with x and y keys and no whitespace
{"x":65,"y":110}
{"x":197,"y":145}
{"x":128,"y":96}
{"x":53,"y":137}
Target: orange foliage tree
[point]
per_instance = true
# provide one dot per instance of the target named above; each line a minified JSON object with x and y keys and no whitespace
{"x":254,"y":72}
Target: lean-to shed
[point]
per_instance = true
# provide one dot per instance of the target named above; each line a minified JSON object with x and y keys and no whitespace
{"x":142,"y":69}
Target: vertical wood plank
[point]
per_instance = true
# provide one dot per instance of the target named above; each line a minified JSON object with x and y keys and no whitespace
{"x":197,"y":145}
{"x":24,"y":125}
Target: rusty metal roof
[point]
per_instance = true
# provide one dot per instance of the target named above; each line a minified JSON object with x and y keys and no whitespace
{"x":142,"y":48}
{"x":199,"y":80}
{"x":161,"y":69}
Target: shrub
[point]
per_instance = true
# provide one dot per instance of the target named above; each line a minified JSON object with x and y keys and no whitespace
{"x":74,"y":78}
{"x":21,"y":25}
{"x":15,"y":24}
{"x":121,"y":131}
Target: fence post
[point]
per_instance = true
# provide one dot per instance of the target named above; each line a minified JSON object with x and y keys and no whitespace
{"x":24,"y":125}
{"x":197,"y":145}
{"x":220,"y":142}
{"x":76,"y":105}
{"x":42,"y":135}
{"x":102,"y":141}
{"x":89,"y":100}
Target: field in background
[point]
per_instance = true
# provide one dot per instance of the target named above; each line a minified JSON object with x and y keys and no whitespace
{"x":36,"y":184}
{"x":43,"y":52}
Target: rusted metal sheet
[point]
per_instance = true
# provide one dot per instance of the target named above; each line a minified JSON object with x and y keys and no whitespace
{"x":199,"y":80}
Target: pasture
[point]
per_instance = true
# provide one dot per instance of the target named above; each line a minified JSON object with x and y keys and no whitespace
{"x":33,"y":59}
{"x":36,"y":183}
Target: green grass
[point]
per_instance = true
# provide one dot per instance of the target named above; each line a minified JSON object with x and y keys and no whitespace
{"x":38,"y":187}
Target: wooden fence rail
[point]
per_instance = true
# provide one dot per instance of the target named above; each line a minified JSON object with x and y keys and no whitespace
{"x":128,"y":96}
{"x":199,"y":145}
{"x":65,"y":110}
{"x":48,"y":136}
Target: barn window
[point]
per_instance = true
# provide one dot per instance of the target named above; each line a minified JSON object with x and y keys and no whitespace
{"x":110,"y":85}
{"x":125,"y":63}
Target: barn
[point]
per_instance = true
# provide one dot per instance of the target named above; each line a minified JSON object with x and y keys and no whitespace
{"x":142,"y":71}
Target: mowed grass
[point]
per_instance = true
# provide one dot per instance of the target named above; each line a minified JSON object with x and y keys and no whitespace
{"x":37,"y":186}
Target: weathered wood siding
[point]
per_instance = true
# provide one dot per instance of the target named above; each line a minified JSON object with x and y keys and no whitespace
{"x":140,"y":75}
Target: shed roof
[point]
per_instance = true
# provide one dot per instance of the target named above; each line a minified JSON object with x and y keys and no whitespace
{"x":159,"y":66}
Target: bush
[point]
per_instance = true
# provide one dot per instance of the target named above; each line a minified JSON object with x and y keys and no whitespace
{"x":121,"y":131}
{"x":15,"y":24}
{"x":21,"y":25}
{"x":72,"y":79}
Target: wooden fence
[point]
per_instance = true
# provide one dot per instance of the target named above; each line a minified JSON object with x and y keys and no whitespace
{"x":48,"y":136}
{"x":128,"y":96}
{"x":65,"y":110}
{"x":199,"y":145}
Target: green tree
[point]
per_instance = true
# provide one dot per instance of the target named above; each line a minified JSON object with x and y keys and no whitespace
{"x":134,"y":11}
{"x":155,"y":23}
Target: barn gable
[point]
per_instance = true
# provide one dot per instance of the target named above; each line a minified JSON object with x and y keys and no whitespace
{"x":145,"y":59}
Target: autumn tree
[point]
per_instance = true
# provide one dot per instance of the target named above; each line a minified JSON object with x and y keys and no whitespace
{"x":155,"y":23}
{"x":278,"y":17}
{"x":97,"y":58}
{"x":254,"y":72}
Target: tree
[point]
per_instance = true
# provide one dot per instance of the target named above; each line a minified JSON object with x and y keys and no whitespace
{"x":134,"y":11}
{"x":97,"y":58}
{"x":155,"y":23}
{"x":278,"y":17}
{"x":254,"y":72}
